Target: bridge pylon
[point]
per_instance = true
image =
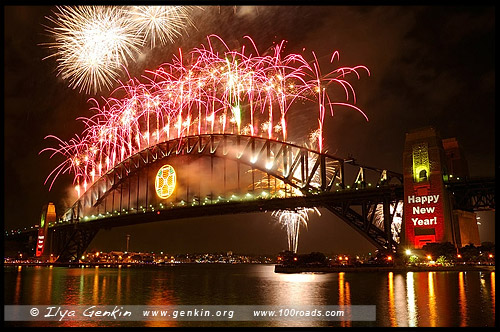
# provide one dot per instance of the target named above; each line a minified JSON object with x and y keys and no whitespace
{"x":430,"y":214}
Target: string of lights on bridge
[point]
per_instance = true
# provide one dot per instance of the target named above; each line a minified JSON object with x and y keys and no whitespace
{"x":182,"y":203}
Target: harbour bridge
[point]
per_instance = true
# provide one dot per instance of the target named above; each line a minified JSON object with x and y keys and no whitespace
{"x":219,"y":174}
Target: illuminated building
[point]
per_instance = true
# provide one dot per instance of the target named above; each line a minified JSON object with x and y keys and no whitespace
{"x":428,"y":212}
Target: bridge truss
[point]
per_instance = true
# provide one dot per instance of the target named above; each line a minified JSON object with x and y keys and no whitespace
{"x":227,"y":174}
{"x":476,"y":194}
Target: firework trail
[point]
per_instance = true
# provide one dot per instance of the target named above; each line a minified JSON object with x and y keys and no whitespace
{"x":291,"y":220}
{"x":93,"y":43}
{"x":203,"y":92}
{"x":396,"y":221}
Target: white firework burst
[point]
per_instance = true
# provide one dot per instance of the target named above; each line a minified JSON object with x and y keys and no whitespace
{"x":160,"y":23}
{"x":91,"y":44}
{"x":291,"y":220}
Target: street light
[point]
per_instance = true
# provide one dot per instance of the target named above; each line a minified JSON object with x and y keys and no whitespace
{"x":408,"y":252}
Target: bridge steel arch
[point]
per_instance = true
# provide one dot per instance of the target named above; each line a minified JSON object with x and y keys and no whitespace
{"x":226,"y":173}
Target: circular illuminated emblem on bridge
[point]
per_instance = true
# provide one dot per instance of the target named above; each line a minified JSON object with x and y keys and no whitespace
{"x":165,"y":181}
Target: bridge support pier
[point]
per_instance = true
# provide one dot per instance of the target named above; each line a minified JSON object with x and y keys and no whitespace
{"x":70,"y":243}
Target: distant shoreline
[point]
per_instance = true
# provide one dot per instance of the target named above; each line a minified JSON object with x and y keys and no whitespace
{"x":280,"y":268}
{"x":56,"y":264}
{"x":336,"y":269}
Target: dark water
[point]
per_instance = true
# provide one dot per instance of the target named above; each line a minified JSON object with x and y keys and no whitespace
{"x":422,"y":299}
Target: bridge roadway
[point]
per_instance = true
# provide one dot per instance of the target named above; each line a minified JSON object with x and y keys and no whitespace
{"x":326,"y":199}
{"x":340,"y":203}
{"x":354,"y":206}
{"x":471,"y":194}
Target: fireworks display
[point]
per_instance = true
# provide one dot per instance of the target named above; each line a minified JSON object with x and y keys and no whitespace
{"x":202,"y":93}
{"x":396,"y":222}
{"x":159,"y":23}
{"x":291,"y":220}
{"x":94,"y":43}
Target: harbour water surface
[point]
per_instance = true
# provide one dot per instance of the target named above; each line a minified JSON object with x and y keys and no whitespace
{"x":420,"y":299}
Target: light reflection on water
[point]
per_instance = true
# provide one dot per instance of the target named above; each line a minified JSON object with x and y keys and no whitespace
{"x":400,"y":301}
{"x":493,"y":292}
{"x":412,"y":299}
{"x":412,"y":303}
{"x":392,"y":309}
{"x":432,"y":299}
{"x":463,"y":299}
{"x":344,"y":298}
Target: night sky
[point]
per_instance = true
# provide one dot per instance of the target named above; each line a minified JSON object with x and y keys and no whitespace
{"x":430,"y":66}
